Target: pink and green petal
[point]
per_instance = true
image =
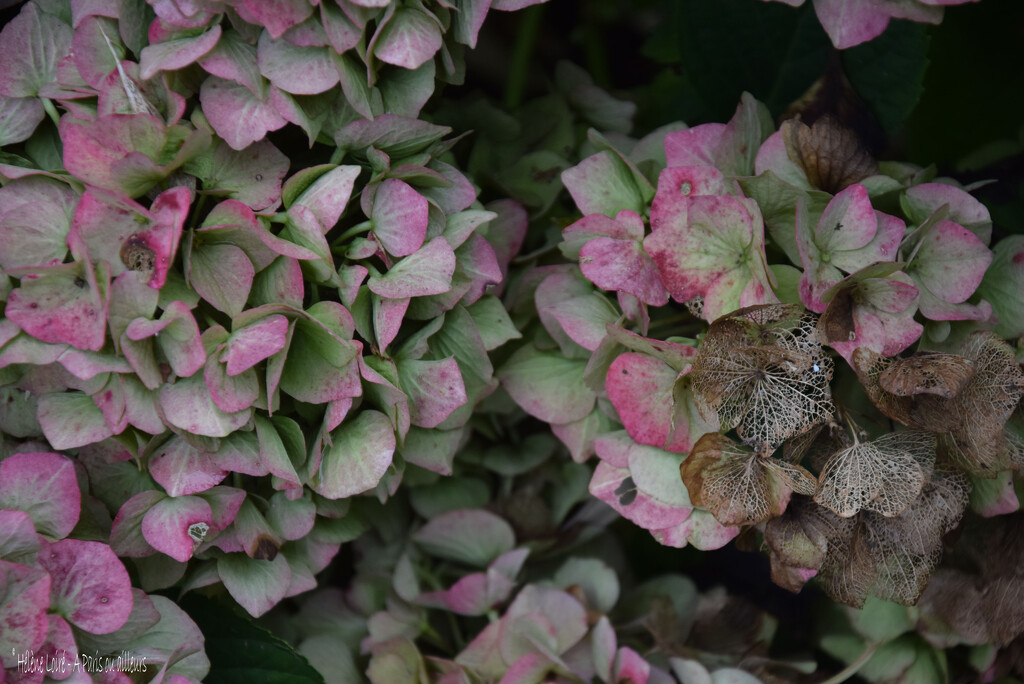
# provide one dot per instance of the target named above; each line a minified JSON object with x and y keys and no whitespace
{"x":43,"y":485}
{"x":34,"y":222}
{"x":715,"y":250}
{"x":23,"y":607}
{"x":182,"y":469}
{"x":166,"y":526}
{"x":63,"y":304}
{"x":19,"y":542}
{"x":360,"y":453}
{"x":91,"y":588}
{"x":950,"y":262}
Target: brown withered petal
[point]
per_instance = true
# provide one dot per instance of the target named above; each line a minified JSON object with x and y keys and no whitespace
{"x":763,"y":371}
{"x":830,"y":154}
{"x":836,"y":323}
{"x":891,"y":558}
{"x":927,"y":373}
{"x":726,"y":623}
{"x":985,"y":405}
{"x":920,"y":411}
{"x":794,"y":542}
{"x":977,"y":610}
{"x":884,"y":475}
{"x":737,"y":485}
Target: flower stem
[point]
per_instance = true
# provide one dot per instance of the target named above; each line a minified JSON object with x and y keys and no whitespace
{"x":853,"y":667}
{"x":519,"y":68}
{"x":353,"y":231}
{"x":51,"y":110}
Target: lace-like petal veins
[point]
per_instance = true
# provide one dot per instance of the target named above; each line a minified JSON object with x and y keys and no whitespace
{"x":985,"y":405}
{"x":907,"y":548}
{"x":830,"y":154}
{"x":884,"y":475}
{"x":735,"y":484}
{"x":763,"y":370}
{"x":927,"y":373}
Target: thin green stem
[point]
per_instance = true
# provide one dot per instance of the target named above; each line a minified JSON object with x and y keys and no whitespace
{"x":51,"y":111}
{"x":357,"y":229}
{"x":853,"y":667}
{"x":526,"y":258}
{"x":519,"y":68}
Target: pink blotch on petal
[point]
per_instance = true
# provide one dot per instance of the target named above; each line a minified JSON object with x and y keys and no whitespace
{"x":62,"y":304}
{"x":90,"y":584}
{"x":686,"y":181}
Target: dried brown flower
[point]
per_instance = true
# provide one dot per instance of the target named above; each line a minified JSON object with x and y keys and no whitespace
{"x":830,"y":154}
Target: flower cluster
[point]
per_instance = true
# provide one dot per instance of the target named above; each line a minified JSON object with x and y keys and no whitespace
{"x":230,"y":342}
{"x":778,"y":239}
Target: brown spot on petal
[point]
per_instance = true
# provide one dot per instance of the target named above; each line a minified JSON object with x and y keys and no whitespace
{"x":266,"y":548}
{"x":136,"y":255}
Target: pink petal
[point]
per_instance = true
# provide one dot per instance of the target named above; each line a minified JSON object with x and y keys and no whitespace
{"x":236,"y":114}
{"x":963,"y":207}
{"x":294,"y":69}
{"x":176,"y":54}
{"x":631,"y":667}
{"x":277,"y":16}
{"x":951,"y":262}
{"x":90,"y":587}
{"x":435,"y":389}
{"x":772,"y":156}
{"x":399,"y":217}
{"x":626,"y":226}
{"x":255,"y":342}
{"x":166,"y":525}
{"x":615,"y":487}
{"x":44,"y":486}
{"x":34,"y":222}
{"x":63,"y":304}
{"x":623,"y":265}
{"x":408,"y":40}
{"x":851,"y":22}
{"x":182,"y":469}
{"x":640,"y":388}
{"x":848,"y":222}
{"x":360,"y":454}
{"x":695,"y":146}
{"x":23,"y":622}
